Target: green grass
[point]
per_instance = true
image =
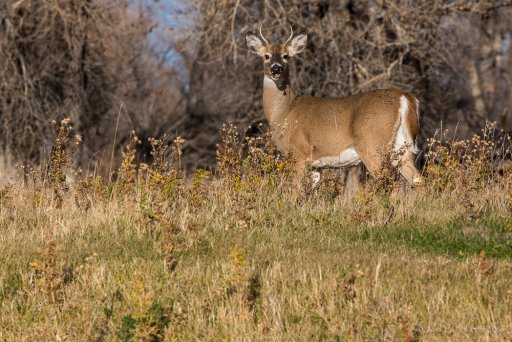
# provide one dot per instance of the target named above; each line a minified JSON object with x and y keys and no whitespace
{"x":442,"y":239}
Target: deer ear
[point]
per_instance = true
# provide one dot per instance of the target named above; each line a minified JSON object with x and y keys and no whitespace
{"x":297,"y":44}
{"x":254,"y":43}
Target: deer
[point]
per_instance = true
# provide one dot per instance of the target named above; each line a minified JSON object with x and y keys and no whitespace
{"x":335,"y":132}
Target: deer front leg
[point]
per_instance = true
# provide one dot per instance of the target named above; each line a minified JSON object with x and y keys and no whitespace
{"x":299,"y":170}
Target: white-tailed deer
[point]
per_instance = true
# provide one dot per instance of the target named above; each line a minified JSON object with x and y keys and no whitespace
{"x":335,"y":132}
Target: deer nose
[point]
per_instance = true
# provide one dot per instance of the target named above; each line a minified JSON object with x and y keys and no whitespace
{"x":276,"y":69}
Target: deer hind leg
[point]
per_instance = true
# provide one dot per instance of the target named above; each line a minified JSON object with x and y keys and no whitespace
{"x":373,"y":162}
{"x":408,"y":170}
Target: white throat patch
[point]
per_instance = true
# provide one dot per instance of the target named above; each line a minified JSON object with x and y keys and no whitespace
{"x":267,"y":81}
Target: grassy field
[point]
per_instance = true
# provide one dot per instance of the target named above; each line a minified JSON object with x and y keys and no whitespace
{"x":245,"y":254}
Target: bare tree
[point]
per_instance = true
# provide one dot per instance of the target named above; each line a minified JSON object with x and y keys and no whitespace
{"x":83,"y":59}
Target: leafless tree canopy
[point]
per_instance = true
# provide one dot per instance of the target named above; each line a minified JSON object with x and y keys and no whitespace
{"x":90,"y":60}
{"x":83,"y":59}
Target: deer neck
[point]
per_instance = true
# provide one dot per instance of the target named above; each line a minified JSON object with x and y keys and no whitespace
{"x":277,"y":99}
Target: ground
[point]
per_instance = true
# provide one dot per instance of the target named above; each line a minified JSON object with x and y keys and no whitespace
{"x":251,"y":256}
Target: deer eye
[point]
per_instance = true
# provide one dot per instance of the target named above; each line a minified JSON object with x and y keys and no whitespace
{"x":286,"y":57}
{"x":267,"y":57}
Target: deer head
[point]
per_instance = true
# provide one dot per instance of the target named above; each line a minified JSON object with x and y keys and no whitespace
{"x":276,"y":57}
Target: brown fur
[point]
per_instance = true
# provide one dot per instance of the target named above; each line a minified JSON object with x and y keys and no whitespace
{"x":312,"y":128}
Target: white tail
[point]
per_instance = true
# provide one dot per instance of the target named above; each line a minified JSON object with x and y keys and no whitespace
{"x":335,"y":132}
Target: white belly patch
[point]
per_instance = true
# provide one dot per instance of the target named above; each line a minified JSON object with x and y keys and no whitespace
{"x":348,"y":157}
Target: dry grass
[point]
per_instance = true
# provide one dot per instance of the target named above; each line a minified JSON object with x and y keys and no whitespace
{"x":241,"y":254}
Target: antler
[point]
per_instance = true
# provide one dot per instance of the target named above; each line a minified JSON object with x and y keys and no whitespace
{"x":291,"y":35}
{"x":261,"y":34}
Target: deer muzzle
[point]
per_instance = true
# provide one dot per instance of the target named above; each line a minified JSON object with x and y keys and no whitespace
{"x":276,"y":69}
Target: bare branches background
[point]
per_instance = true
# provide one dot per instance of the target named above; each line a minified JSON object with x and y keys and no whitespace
{"x":87,"y":59}
{"x":83,"y":59}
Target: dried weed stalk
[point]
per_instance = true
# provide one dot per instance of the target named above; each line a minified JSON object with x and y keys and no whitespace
{"x":61,"y":158}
